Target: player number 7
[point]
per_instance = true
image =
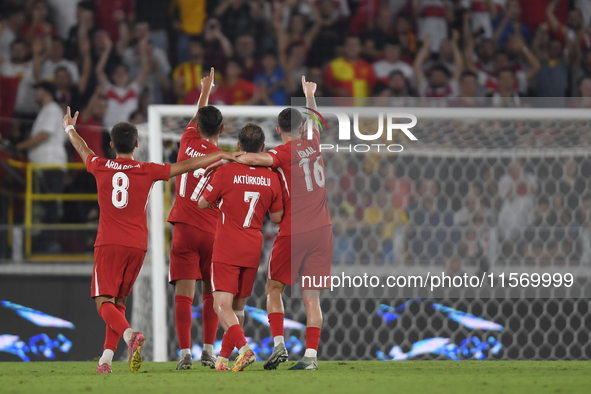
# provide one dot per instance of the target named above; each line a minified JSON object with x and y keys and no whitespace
{"x":253,"y":198}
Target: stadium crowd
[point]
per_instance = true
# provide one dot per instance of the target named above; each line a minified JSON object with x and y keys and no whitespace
{"x":111,"y":59}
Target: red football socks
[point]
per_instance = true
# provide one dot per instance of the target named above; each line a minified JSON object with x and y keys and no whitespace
{"x":183,"y":319}
{"x":111,"y":337}
{"x":210,"y":320}
{"x":236,"y":336}
{"x":276,"y":323}
{"x":227,"y":347}
{"x":312,"y":337}
{"x":114,"y":318}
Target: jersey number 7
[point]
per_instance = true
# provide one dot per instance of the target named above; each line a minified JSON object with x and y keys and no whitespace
{"x":253,"y":198}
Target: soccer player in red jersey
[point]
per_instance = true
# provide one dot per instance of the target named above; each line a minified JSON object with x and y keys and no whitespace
{"x":243,"y":195}
{"x":304,"y":244}
{"x":194,"y":229}
{"x":124,"y":187}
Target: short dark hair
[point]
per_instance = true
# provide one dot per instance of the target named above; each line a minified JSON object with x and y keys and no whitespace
{"x":123,"y":65}
{"x":505,"y":70}
{"x":440,"y":67}
{"x":17,"y":41}
{"x":288,"y":119}
{"x":124,"y":137}
{"x":251,"y":138}
{"x":209,"y":120}
{"x":467,"y":74}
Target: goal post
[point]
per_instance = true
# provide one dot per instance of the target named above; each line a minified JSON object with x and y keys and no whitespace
{"x":159,"y":130}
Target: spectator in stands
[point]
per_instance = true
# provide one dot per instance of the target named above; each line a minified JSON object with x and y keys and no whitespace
{"x":377,"y":38}
{"x":553,"y":74}
{"x":272,"y":79}
{"x":55,"y":59}
{"x":154,"y":12}
{"x":218,"y":49}
{"x":245,"y":48}
{"x":432,"y":219}
{"x":581,"y":68}
{"x":507,"y":94}
{"x":102,"y":45}
{"x":294,"y":69}
{"x":296,"y":33}
{"x":46,"y":145}
{"x":236,"y":90}
{"x":157,"y":82}
{"x":15,"y":65}
{"x":517,"y":189}
{"x":508,"y":24}
{"x":39,"y":25}
{"x":571,"y":185}
{"x":329,"y":36}
{"x":132,"y":57}
{"x":11,"y":24}
{"x":188,"y":22}
{"x":439,"y":82}
{"x":114,"y":15}
{"x":482,"y":13}
{"x":122,"y":96}
{"x":187,"y":75}
{"x":468,"y":87}
{"x":392,"y":62}
{"x":574,"y":29}
{"x":432,"y":17}
{"x":85,"y":27}
{"x":26,"y":106}
{"x":235,"y":17}
{"x":350,"y":76}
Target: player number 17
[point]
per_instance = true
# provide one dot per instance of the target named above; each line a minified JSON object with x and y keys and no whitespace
{"x":200,"y":185}
{"x":318,"y":173}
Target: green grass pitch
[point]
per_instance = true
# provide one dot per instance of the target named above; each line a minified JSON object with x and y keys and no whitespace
{"x":478,"y":377}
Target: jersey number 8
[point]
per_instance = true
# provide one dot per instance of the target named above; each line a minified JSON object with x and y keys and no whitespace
{"x":120,"y":196}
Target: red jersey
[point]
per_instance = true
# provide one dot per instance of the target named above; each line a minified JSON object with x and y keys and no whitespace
{"x":304,"y":191}
{"x":244,"y":194}
{"x":190,"y":186}
{"x":124,"y":186}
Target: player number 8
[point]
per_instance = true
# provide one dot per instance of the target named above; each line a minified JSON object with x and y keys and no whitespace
{"x":120,"y":197}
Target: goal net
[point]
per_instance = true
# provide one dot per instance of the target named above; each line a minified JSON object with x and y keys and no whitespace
{"x":497,"y":194}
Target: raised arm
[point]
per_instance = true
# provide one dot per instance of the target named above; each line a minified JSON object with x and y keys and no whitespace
{"x":100,"y":66}
{"x":199,"y":162}
{"x":256,"y":159}
{"x":84,"y":48}
{"x":79,"y":144}
{"x":145,"y":62}
{"x":309,"y":90}
{"x":468,"y":44}
{"x":458,"y":60}
{"x":551,"y":17}
{"x":207,"y":83}
{"x":420,"y":59}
